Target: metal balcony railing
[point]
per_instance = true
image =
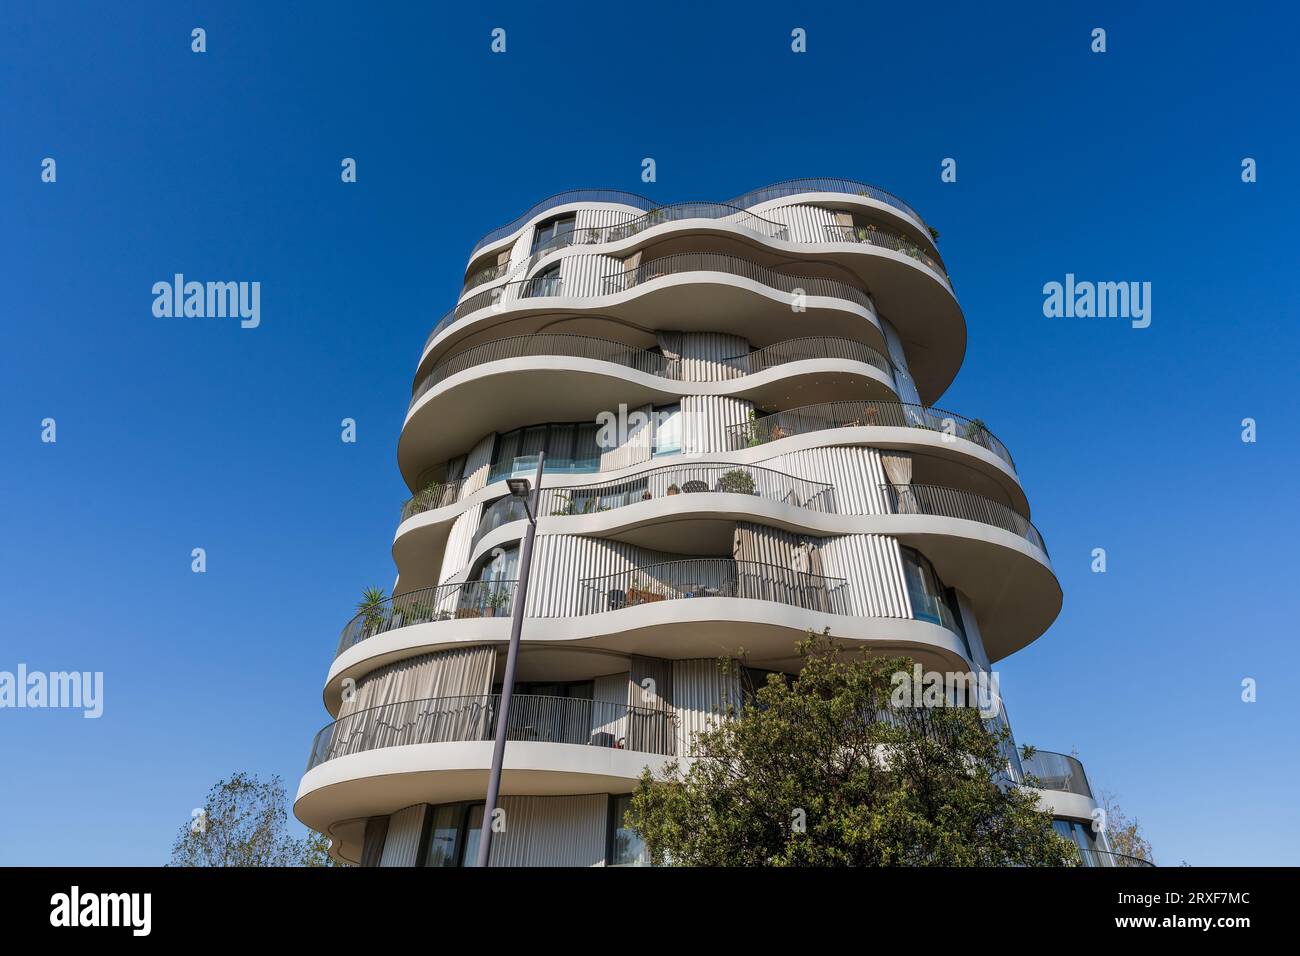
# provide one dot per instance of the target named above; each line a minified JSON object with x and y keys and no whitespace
{"x":438,"y":495}
{"x":914,"y":499}
{"x":792,"y":187}
{"x":551,"y":344}
{"x":1106,"y":858}
{"x":445,"y":602}
{"x":742,"y":268}
{"x":689,"y":479}
{"x":662,"y":482}
{"x":492,"y":272}
{"x":814,"y":418}
{"x":806,"y":349}
{"x":563,"y":199}
{"x":676,"y":212}
{"x":883,"y":239}
{"x":763,"y":194}
{"x":537,"y":286}
{"x":1055,"y":771}
{"x":559,"y":720}
{"x":712,"y":577}
{"x":646,"y":361}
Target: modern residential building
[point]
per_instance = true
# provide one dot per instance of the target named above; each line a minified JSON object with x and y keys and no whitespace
{"x":735,"y":401}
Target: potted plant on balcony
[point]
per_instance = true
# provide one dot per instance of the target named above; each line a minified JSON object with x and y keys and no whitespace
{"x":371,"y":609}
{"x":737,"y":481}
{"x":751,"y":430}
{"x":496,"y":602}
{"x":563,"y":504}
{"x":674,"y":490}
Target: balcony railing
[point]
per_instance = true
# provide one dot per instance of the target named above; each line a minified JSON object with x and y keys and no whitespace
{"x":544,"y":285}
{"x":672,"y":213}
{"x":695,"y":478}
{"x":438,"y":495}
{"x":551,"y":285}
{"x":712,"y":577}
{"x":446,"y":602}
{"x":815,"y":418}
{"x":492,"y":272}
{"x":1106,"y":858}
{"x":665,"y":482}
{"x":563,"y":199}
{"x":807,"y":349}
{"x":914,"y":499}
{"x":792,"y":187}
{"x":1057,"y":772}
{"x":643,"y":360}
{"x":885,"y":240}
{"x":439,"y":720}
{"x":780,"y":190}
{"x":742,"y":268}
{"x":551,"y":344}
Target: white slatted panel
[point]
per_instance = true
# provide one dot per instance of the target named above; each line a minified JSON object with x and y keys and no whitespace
{"x":874,"y":569}
{"x":456,"y":555}
{"x":588,"y":218}
{"x":854,"y":471}
{"x":807,"y":223}
{"x":636,"y":444}
{"x":705,"y":419}
{"x":610,"y":689}
{"x":477,"y":465}
{"x":552,"y":831}
{"x":459,"y":672}
{"x":402,"y":845}
{"x":701,"y":694}
{"x":711,"y":356}
{"x":561,"y":561}
{"x":584,"y":274}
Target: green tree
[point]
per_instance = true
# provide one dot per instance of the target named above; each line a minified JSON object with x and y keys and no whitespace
{"x":1125,"y":835}
{"x":820,"y":770}
{"x":243,"y":823}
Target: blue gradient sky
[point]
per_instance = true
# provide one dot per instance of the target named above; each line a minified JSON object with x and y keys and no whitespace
{"x":183,"y":433}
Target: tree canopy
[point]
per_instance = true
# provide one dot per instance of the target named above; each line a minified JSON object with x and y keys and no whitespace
{"x":243,"y":822}
{"x":819,"y":770}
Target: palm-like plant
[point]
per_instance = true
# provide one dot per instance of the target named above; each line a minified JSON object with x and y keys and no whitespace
{"x":371,"y":606}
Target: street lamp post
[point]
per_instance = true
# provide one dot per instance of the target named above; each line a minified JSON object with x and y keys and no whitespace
{"x":519,"y":488}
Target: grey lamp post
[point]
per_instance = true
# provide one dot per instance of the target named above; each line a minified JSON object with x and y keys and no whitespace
{"x":519,"y":488}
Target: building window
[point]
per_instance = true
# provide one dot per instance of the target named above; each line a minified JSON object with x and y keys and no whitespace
{"x":547,"y":233}
{"x":1081,"y":835}
{"x":668,"y":430}
{"x":931,"y":601}
{"x":546,"y":282}
{"x":451,"y":834}
{"x":570,"y":449}
{"x":626,"y":848}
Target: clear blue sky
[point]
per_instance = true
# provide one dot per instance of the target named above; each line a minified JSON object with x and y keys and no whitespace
{"x":175,"y":433}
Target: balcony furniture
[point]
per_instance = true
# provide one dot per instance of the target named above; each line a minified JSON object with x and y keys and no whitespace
{"x":616,"y":599}
{"x":695,"y":485}
{"x":604,"y":739}
{"x":642,"y":596}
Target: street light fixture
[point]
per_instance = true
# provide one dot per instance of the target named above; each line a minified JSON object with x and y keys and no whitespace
{"x":519,"y":488}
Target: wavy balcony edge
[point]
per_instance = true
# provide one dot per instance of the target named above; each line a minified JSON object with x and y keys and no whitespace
{"x":755,"y":197}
